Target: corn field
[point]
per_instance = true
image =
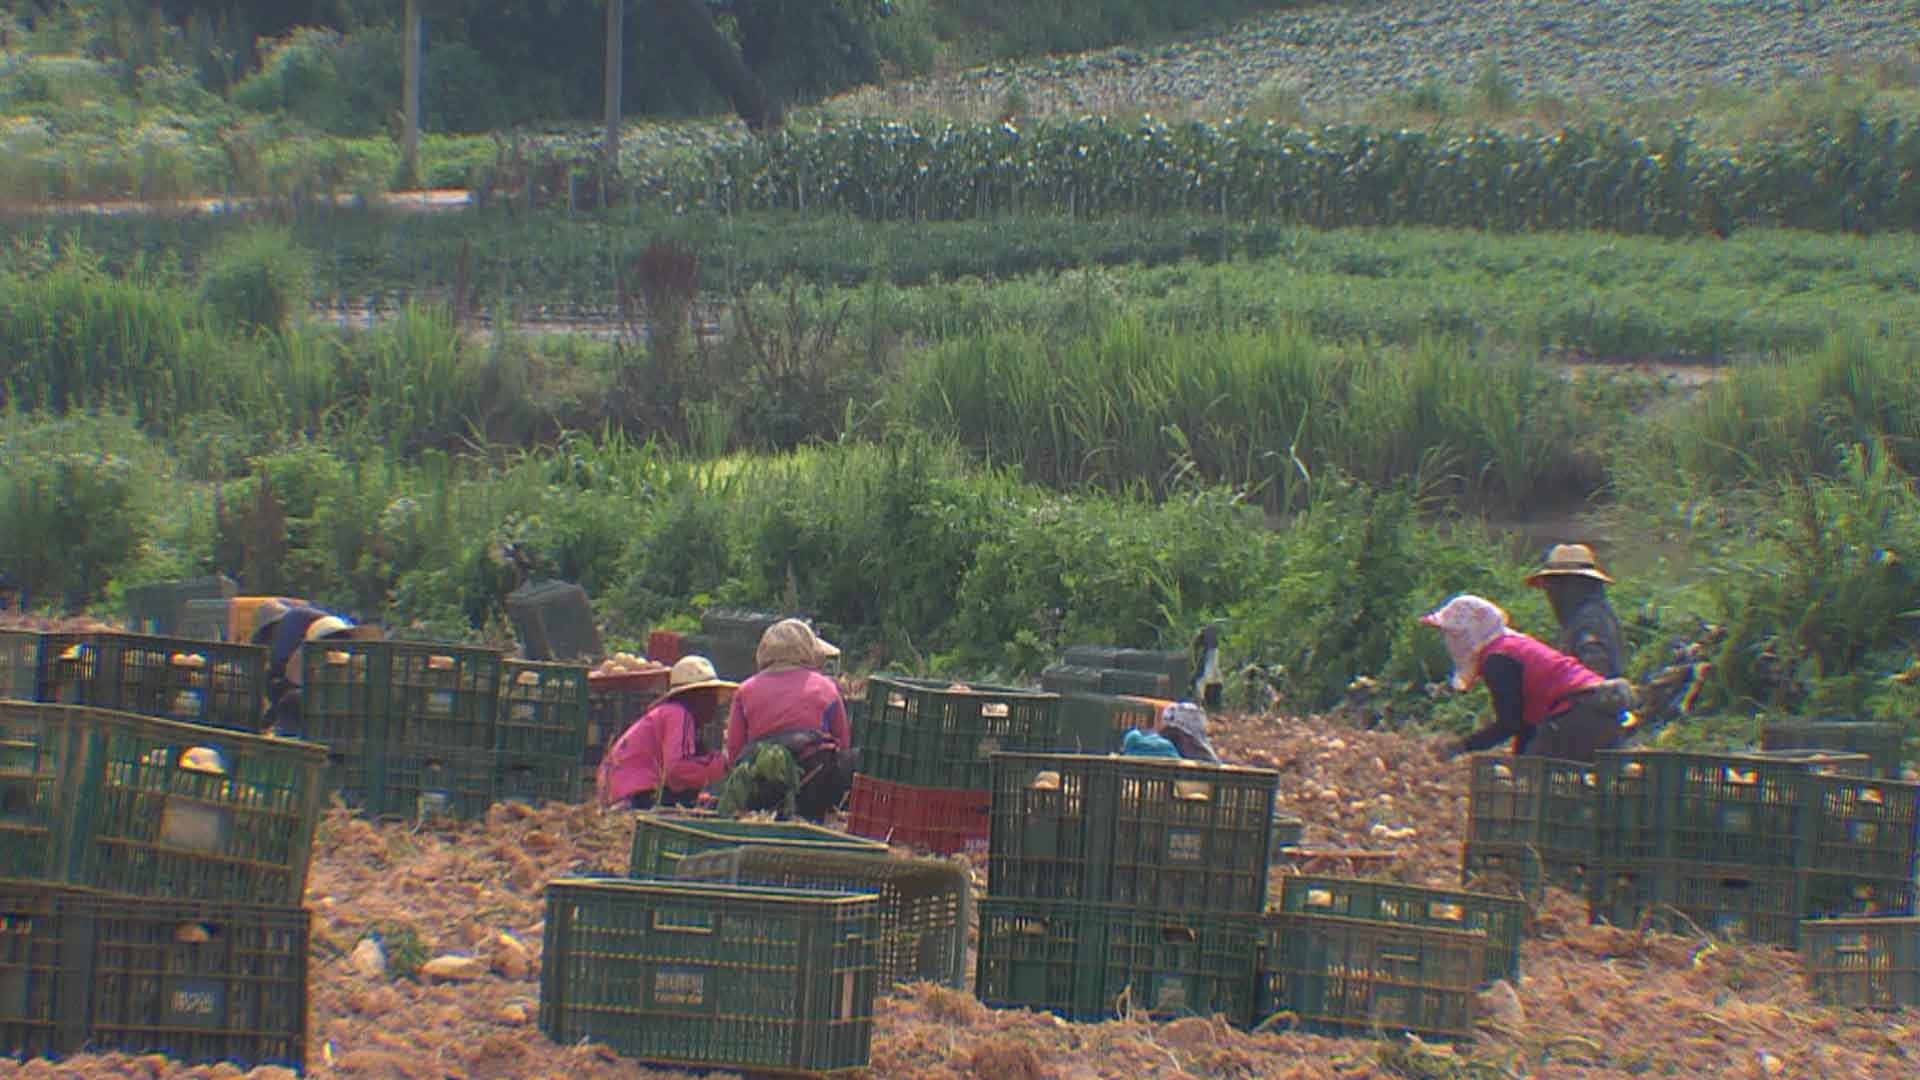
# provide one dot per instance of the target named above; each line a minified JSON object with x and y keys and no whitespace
{"x":1858,"y":179}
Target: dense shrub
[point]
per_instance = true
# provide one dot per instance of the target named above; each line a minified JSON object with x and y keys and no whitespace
{"x":69,"y":522}
{"x":258,"y":280}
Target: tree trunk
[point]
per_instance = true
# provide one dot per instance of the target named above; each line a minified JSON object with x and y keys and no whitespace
{"x":692,"y":26}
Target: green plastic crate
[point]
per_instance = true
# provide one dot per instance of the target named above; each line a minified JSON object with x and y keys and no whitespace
{"x":1337,"y":975}
{"x":1758,"y":904}
{"x":1871,"y":963}
{"x":1863,"y":827}
{"x":697,"y":975}
{"x":537,"y":780}
{"x":1097,"y":723}
{"x":1070,"y":678}
{"x":1842,"y":896}
{"x":197,"y":982}
{"x":1097,"y":961}
{"x":543,"y":710}
{"x":1543,"y":804}
{"x":153,"y":819}
{"x":1154,"y":832}
{"x":661,"y":841}
{"x":194,"y":682}
{"x":344,"y":699}
{"x":930,"y":734}
{"x":52,"y":668}
{"x":43,"y":973}
{"x":1521,"y":868}
{"x":428,"y":785}
{"x":1498,"y":919}
{"x":441,"y":697}
{"x":1883,"y":743}
{"x":36,"y":792}
{"x":1730,"y":809}
{"x":922,"y":918}
{"x":160,"y":607}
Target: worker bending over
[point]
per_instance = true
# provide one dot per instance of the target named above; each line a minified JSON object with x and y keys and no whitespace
{"x":1547,"y":702}
{"x":787,"y":731}
{"x":672,"y":752}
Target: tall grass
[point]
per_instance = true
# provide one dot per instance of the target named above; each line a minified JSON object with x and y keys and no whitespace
{"x":1264,"y":410}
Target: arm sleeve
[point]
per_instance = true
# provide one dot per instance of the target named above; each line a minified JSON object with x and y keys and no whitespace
{"x":685,"y":768}
{"x":736,"y":729}
{"x":1502,"y":676}
{"x":836,"y":721}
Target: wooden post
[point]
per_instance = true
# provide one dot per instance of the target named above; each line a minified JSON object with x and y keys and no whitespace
{"x":616,"y":74}
{"x":410,"y":91}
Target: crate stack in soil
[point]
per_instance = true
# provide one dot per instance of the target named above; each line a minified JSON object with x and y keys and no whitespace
{"x":151,"y":879}
{"x":1883,"y":743}
{"x":220,"y":684}
{"x":417,"y":730}
{"x":1748,"y":845}
{"x":925,"y":747}
{"x":1530,"y":823}
{"x":1124,"y":884}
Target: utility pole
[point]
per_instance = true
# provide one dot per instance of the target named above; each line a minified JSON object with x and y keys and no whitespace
{"x":616,"y":60}
{"x":410,"y":91}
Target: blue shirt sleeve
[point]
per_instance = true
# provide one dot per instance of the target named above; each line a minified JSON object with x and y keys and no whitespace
{"x":1145,"y":744}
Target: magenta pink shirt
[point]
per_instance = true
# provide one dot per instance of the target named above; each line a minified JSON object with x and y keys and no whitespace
{"x":1548,"y":677}
{"x":791,"y":699}
{"x":662,"y":739}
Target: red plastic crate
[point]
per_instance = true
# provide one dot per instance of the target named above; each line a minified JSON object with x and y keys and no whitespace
{"x":942,"y":820}
{"x":663,"y":646}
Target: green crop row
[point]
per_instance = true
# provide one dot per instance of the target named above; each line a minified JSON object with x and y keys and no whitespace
{"x":1855,"y":178}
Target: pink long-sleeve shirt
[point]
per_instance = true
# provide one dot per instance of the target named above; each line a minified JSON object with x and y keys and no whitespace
{"x":791,"y":699}
{"x":662,"y":740}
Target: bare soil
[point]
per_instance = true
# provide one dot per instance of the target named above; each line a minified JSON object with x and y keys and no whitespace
{"x":1594,"y":1001}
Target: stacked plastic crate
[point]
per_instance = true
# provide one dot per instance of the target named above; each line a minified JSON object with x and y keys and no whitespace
{"x":151,"y":876}
{"x":1747,"y":845}
{"x":1530,"y":822}
{"x":168,"y":678}
{"x":417,"y":730}
{"x":708,"y":970}
{"x":1124,"y":884}
{"x":924,"y":758}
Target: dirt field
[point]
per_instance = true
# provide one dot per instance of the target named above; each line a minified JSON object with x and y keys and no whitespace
{"x":1593,"y":1001}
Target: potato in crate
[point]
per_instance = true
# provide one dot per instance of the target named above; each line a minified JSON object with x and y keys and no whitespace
{"x":710,"y":976}
{"x":1728,"y":809}
{"x":937,"y":734}
{"x":543,"y":710}
{"x":442,"y":697}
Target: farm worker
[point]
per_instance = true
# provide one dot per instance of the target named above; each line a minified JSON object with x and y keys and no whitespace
{"x":788,"y":704}
{"x":1185,"y":725}
{"x":1577,"y":589}
{"x":1547,"y":702}
{"x":667,"y":756}
{"x":285,"y":629}
{"x":1147,"y":742}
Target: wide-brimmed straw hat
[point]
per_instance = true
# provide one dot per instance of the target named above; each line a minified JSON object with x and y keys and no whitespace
{"x":1569,"y":560}
{"x":692,"y":673}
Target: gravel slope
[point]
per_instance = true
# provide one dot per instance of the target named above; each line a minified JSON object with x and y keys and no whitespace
{"x":1333,"y":55}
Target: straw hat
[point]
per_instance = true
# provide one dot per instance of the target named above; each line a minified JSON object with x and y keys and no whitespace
{"x":1569,"y":560}
{"x":692,"y":673}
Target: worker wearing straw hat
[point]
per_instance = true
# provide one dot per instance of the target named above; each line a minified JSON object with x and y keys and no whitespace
{"x":1577,"y":589}
{"x":672,"y":752}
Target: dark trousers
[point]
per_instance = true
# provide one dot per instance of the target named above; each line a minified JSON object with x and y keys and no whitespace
{"x":644,"y":800}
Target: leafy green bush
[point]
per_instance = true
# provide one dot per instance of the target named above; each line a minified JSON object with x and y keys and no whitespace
{"x":258,"y":280}
{"x":68,"y":523}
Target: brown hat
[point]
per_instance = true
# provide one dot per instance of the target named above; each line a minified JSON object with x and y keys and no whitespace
{"x":692,"y":673}
{"x":1569,"y":560}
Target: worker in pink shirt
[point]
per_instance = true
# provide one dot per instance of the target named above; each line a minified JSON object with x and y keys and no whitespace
{"x":788,"y":702}
{"x":665,"y":758}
